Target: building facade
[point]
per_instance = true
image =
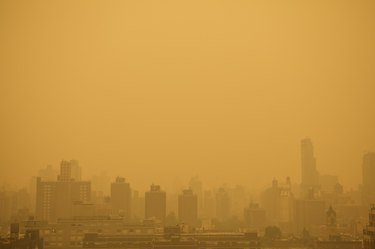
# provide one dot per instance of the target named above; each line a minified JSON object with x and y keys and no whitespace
{"x":56,"y":199}
{"x":310,"y":174}
{"x":121,"y":197}
{"x":188,"y":208}
{"x":155,"y":203}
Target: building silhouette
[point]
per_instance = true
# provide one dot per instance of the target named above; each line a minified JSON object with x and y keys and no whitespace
{"x":223,"y":205}
{"x":55,"y":199}
{"x":278,"y":201}
{"x":121,"y":196}
{"x":188,"y":207}
{"x":327,"y":183}
{"x":138,"y":205}
{"x":368,"y":179}
{"x":331,"y":217}
{"x":255,"y":217}
{"x":368,"y":168}
{"x":209,"y":204}
{"x":70,"y":170}
{"x":155,"y":203}
{"x":48,"y":173}
{"x":286,"y":205}
{"x":196,"y":185}
{"x":369,"y":231}
{"x":310,"y":214}
{"x":271,"y":202}
{"x":310,"y":175}
{"x":14,"y":205}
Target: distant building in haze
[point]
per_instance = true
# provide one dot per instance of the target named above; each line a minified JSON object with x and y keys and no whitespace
{"x":310,"y":175}
{"x":331,"y":217}
{"x":14,"y":205}
{"x":55,"y":199}
{"x":70,"y":171}
{"x":196,"y":185}
{"x":155,"y":203}
{"x":138,"y":205}
{"x":121,"y":196}
{"x":48,"y":173}
{"x":223,"y":205}
{"x":368,"y":168}
{"x":188,"y":207}
{"x":328,"y":183}
{"x":368,"y":179}
{"x":101,"y":184}
{"x":270,"y":200}
{"x":255,"y":217}
{"x":209,"y":204}
{"x":278,"y":201}
{"x":310,"y":214}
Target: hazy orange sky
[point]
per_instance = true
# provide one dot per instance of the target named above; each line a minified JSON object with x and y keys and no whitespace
{"x":163,"y":90}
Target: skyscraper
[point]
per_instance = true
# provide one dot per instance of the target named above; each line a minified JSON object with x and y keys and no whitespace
{"x":155,"y":203}
{"x":310,"y":175}
{"x":121,"y":197}
{"x":188,"y":207}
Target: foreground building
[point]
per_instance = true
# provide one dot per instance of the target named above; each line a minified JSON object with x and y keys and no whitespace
{"x":173,"y":239}
{"x":69,"y":233}
{"x":369,"y":231}
{"x":29,"y":240}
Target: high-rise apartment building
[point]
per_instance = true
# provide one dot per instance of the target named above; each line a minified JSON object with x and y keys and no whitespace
{"x":188,"y":207}
{"x":121,"y":197}
{"x":155,"y":203}
{"x":310,"y":215}
{"x":255,"y":217}
{"x":55,"y":199}
{"x":70,"y":171}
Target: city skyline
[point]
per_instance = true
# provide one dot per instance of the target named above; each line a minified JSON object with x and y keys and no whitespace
{"x":311,"y":179}
{"x":318,"y":205}
{"x":171,"y":181}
